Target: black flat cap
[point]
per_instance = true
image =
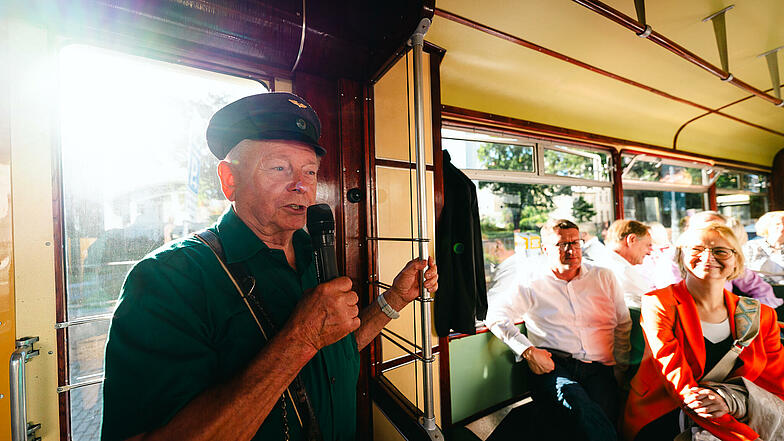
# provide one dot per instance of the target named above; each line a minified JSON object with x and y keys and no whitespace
{"x":276,"y":115}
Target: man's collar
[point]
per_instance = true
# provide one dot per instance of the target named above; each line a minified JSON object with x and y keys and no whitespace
{"x":620,"y":259}
{"x":580,"y":274}
{"x":241,"y":243}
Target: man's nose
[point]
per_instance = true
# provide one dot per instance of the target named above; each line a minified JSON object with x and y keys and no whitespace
{"x":298,"y":186}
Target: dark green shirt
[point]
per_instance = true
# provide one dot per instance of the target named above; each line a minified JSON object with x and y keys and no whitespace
{"x":180,"y":327}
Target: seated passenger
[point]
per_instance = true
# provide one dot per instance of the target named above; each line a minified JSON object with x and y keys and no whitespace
{"x":657,"y":267}
{"x":748,"y":283}
{"x":765,"y":254}
{"x":578,"y":327}
{"x":689,"y":327}
{"x":629,"y":243}
{"x":593,"y":249}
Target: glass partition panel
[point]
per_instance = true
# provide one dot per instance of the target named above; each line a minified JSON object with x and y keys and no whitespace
{"x":671,"y":209}
{"x":754,"y":183}
{"x":744,"y":207}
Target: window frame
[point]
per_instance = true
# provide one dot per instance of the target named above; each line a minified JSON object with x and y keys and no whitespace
{"x":63,"y":322}
{"x":538,"y":175}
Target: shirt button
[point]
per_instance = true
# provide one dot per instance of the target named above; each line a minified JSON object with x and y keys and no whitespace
{"x":332,"y":380}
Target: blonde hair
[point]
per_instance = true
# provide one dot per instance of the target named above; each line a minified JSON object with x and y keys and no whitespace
{"x":767,"y":219}
{"x":624,"y":227}
{"x":724,"y":232}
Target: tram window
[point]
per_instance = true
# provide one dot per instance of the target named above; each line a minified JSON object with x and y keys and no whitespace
{"x":648,"y":169}
{"x":669,"y":208}
{"x":136,"y":172}
{"x":516,"y":195}
{"x":569,"y":161}
{"x":743,"y":196}
{"x":663,"y":190}
{"x":481,"y":151}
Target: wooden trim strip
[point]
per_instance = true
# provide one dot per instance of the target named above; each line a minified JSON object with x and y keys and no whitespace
{"x":394,"y":163}
{"x":530,"y":45}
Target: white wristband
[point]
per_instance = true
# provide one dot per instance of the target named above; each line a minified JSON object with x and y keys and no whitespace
{"x":388,"y":310}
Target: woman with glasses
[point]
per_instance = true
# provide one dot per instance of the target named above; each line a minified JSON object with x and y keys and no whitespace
{"x":688,"y":328}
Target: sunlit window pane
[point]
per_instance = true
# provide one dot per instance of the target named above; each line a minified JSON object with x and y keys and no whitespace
{"x":136,"y":168}
{"x":578,"y":163}
{"x":656,"y":170}
{"x":485,"y":152}
{"x":728,"y":181}
{"x":136,"y":173}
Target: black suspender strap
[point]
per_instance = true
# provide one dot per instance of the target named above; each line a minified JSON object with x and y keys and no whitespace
{"x":245,"y":284}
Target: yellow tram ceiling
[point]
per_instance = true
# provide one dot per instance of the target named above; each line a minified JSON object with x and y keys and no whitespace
{"x":647,"y":32}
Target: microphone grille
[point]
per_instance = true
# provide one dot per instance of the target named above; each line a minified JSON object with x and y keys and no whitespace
{"x":320,"y":218}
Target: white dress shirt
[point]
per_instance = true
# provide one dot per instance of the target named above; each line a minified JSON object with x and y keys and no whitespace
{"x":585,"y":316}
{"x":633,"y":283}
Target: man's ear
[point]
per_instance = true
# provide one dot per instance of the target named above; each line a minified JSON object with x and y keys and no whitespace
{"x":228,"y":179}
{"x":631,"y":239}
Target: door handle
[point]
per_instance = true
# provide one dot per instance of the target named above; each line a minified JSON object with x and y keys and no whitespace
{"x":21,"y":429}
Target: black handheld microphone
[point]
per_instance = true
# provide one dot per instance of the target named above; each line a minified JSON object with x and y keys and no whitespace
{"x":321,"y":226}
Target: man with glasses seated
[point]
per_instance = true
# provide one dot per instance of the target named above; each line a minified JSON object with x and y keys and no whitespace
{"x":578,"y":329}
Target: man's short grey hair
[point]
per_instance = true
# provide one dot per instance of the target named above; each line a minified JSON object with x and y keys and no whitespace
{"x":548,"y":229}
{"x":624,"y":227}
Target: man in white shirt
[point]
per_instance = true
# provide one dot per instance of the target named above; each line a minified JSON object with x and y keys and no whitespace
{"x":578,"y":329}
{"x":630,"y":241}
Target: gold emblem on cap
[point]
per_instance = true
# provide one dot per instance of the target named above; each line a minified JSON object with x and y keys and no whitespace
{"x":298,"y":104}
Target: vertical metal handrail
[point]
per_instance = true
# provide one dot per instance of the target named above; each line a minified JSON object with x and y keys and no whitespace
{"x":20,"y":429}
{"x":417,"y":42}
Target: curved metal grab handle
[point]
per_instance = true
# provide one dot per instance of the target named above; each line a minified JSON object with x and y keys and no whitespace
{"x":24,"y":352}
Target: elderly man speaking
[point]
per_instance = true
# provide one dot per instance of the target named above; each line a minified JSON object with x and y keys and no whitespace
{"x":186,"y":358}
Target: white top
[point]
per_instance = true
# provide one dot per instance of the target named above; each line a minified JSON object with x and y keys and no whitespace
{"x":632,"y":282}
{"x":585,"y":317}
{"x":716,"y":332}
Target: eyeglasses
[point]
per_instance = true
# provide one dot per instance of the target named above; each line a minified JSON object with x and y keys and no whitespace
{"x":720,"y":253}
{"x":574,"y":244}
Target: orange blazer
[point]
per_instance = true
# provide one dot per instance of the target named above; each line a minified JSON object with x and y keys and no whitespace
{"x":675,"y":358}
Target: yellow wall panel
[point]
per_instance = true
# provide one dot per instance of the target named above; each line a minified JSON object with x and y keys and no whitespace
{"x":383,"y":429}
{"x":7,"y":327}
{"x":32,"y":90}
{"x":408,"y":380}
{"x":394,"y":106}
